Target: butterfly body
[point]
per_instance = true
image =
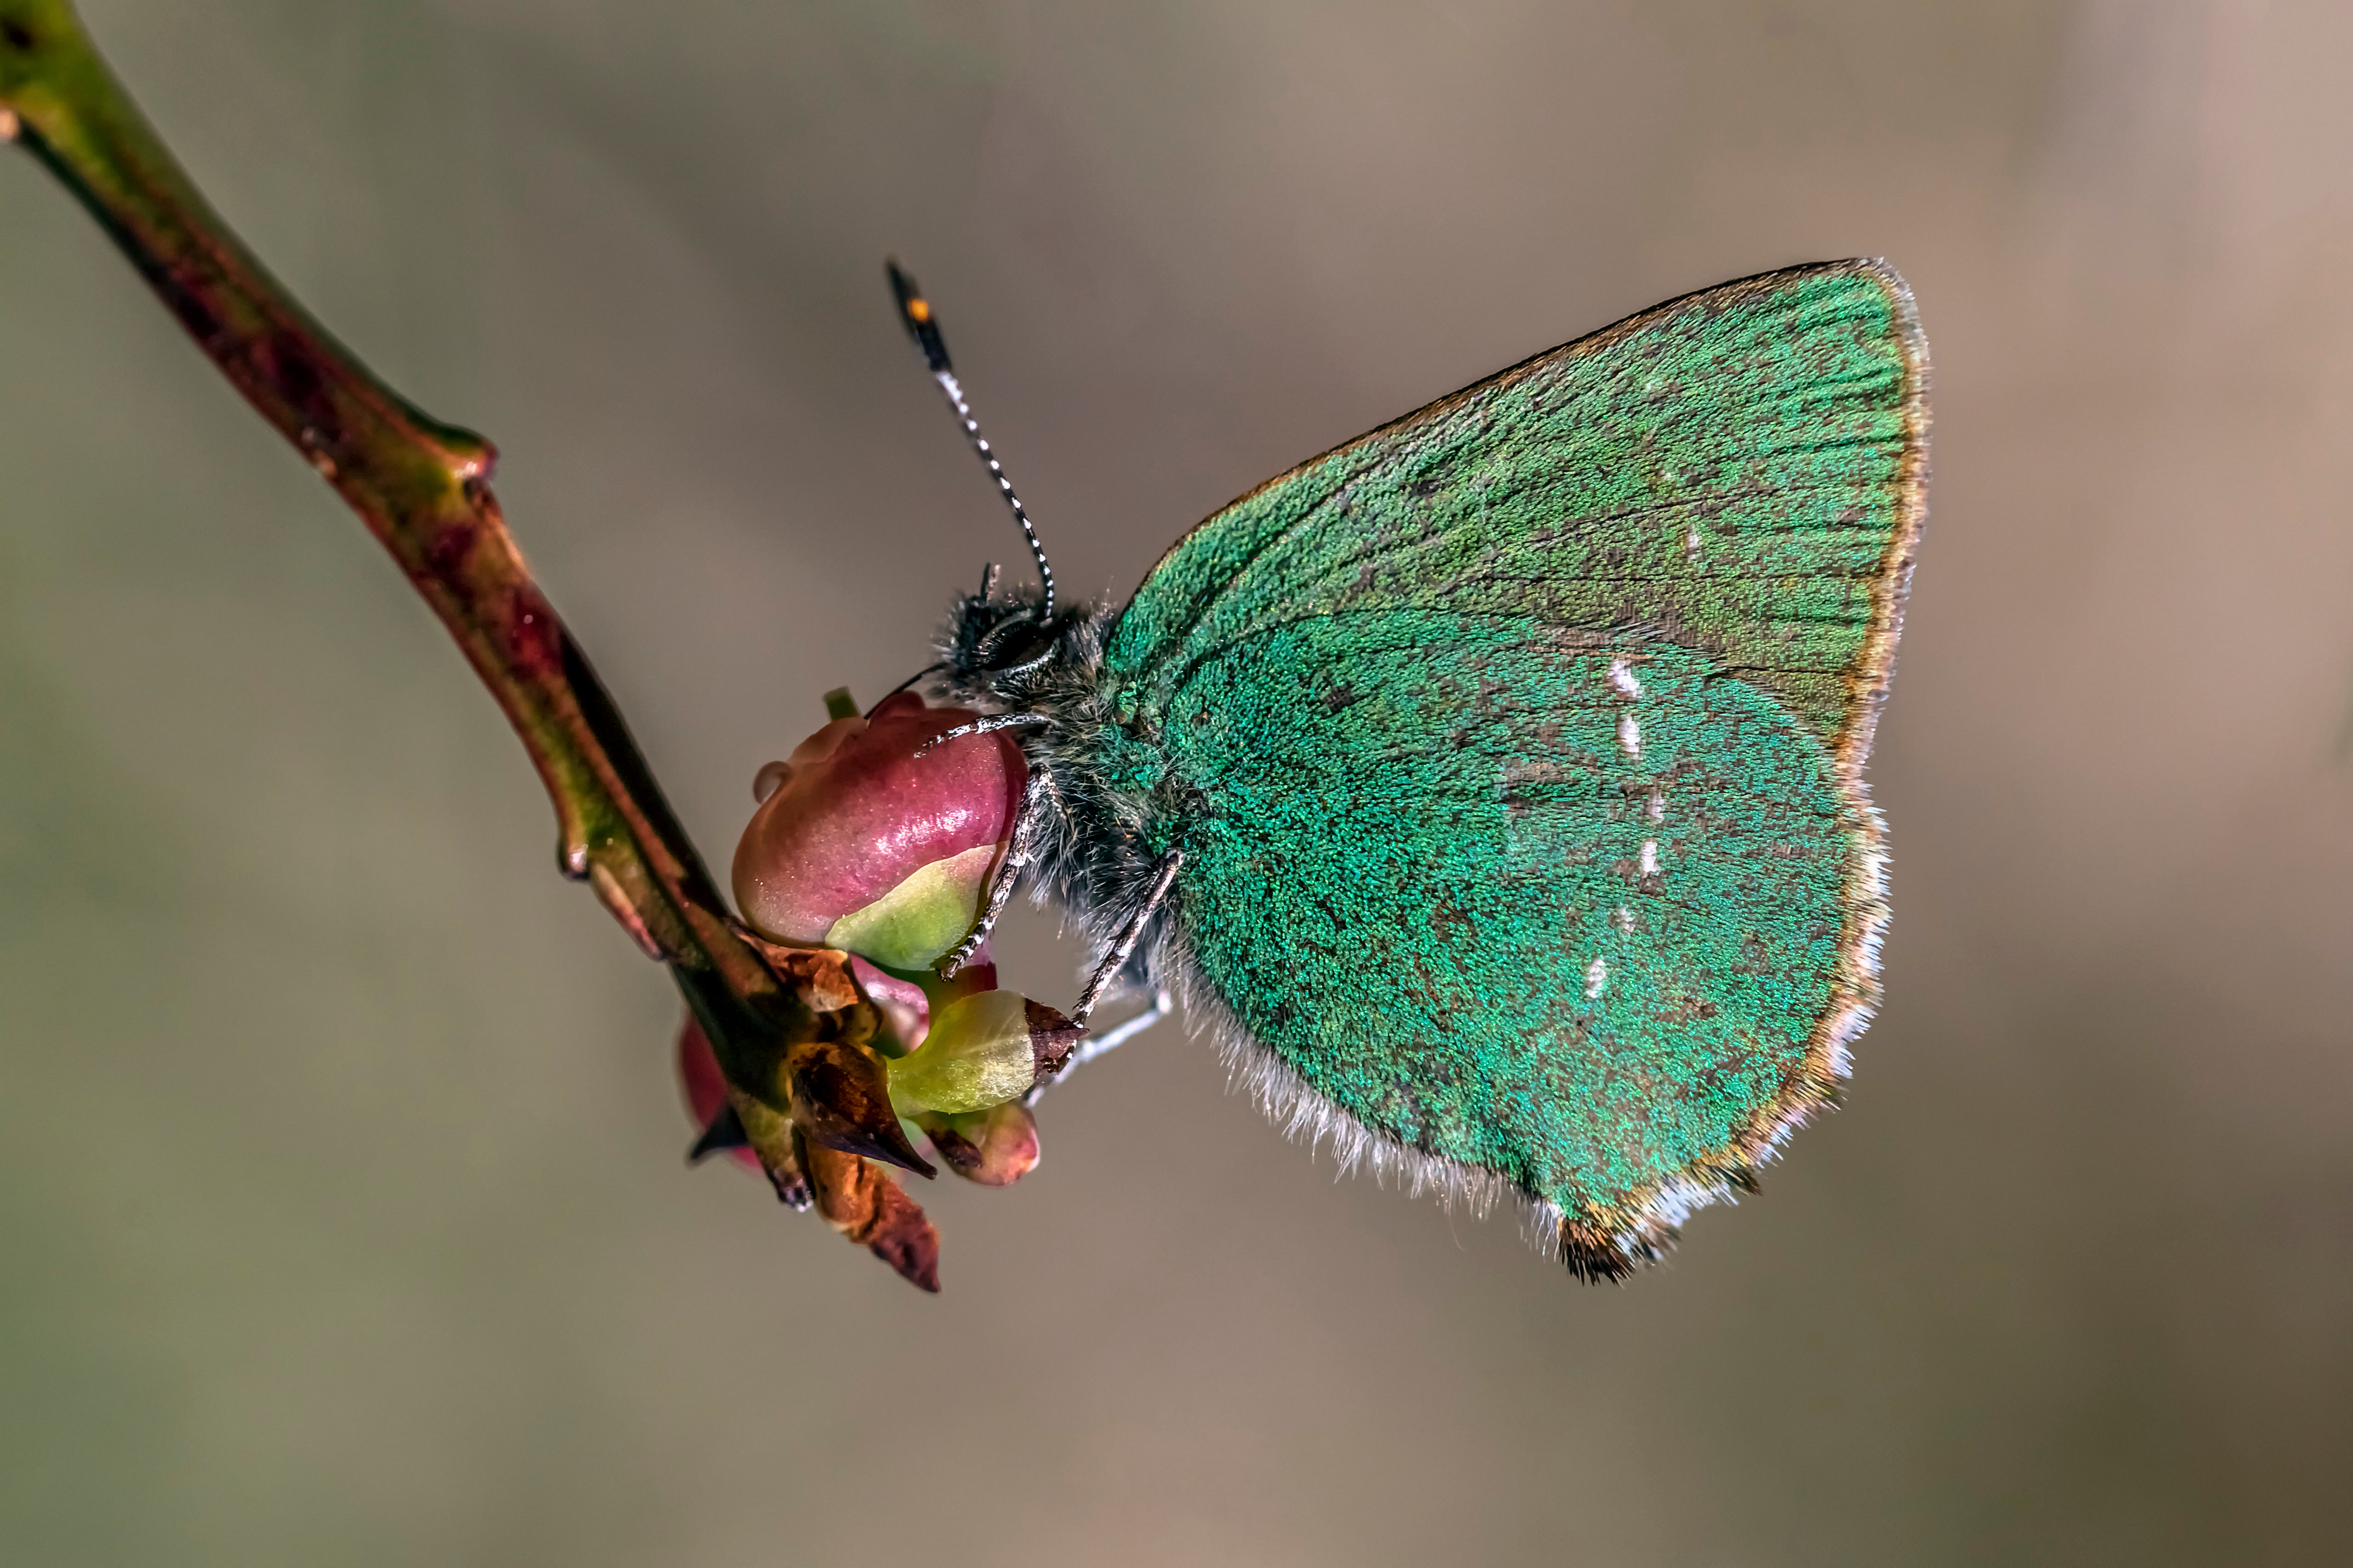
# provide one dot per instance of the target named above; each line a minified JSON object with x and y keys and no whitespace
{"x":1499,"y":773}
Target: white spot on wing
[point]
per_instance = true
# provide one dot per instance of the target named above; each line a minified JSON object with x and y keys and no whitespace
{"x":1597,"y":975}
{"x":1621,"y":677}
{"x":1658,"y":807}
{"x":1630,"y":735}
{"x":1691,"y":545}
{"x":1625,"y":917}
{"x":1649,"y":856}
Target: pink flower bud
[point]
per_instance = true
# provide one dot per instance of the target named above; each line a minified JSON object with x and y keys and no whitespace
{"x":861,"y":844}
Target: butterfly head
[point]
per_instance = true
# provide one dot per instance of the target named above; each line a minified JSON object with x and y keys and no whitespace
{"x":1004,"y":648}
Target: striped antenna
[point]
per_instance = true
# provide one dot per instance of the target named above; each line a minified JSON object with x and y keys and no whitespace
{"x":915,"y":312}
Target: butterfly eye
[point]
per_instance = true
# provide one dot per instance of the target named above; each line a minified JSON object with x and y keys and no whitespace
{"x":1016,"y":643}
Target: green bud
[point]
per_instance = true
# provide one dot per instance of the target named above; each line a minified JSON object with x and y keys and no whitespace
{"x":983,"y":1050}
{"x":927,"y":914}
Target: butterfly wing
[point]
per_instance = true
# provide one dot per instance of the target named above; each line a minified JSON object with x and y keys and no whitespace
{"x":1515,"y":752}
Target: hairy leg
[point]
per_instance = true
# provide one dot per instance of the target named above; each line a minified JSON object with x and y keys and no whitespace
{"x":1001,"y":889}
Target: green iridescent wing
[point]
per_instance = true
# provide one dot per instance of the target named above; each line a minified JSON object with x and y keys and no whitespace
{"x":1515,"y":752}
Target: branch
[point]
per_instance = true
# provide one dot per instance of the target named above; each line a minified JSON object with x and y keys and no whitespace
{"x":423,"y":490}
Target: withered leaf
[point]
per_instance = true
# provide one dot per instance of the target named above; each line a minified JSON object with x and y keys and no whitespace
{"x":860,"y":1200}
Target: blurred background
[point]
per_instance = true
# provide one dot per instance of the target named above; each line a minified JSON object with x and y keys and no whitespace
{"x":344,"y":1215}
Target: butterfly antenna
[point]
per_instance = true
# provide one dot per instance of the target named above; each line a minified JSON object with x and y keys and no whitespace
{"x":925,"y":328}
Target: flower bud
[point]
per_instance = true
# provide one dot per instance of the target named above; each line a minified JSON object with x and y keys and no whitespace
{"x":996,"y":1147}
{"x":863,"y":845}
{"x":906,"y":1004}
{"x":706,"y":1089}
{"x":983,"y":1051}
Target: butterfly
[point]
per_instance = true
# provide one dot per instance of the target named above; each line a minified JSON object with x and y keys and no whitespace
{"x":1492,"y":784}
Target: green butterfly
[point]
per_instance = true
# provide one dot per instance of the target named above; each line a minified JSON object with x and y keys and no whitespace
{"x":1492,"y":784}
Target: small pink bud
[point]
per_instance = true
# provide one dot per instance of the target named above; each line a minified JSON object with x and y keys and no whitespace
{"x":996,"y":1147}
{"x":705,"y":1085}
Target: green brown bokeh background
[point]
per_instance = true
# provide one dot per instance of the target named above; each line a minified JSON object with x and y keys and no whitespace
{"x":342,"y":1216}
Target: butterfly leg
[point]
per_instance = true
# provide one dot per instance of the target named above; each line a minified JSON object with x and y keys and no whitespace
{"x":989,"y":726}
{"x":1114,"y":968}
{"x":1130,"y":934}
{"x":1110,"y":1039}
{"x":1000,"y":890}
{"x":1120,"y":1034}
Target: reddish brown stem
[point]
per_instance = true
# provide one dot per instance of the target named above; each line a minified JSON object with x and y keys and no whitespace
{"x":423,"y":489}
